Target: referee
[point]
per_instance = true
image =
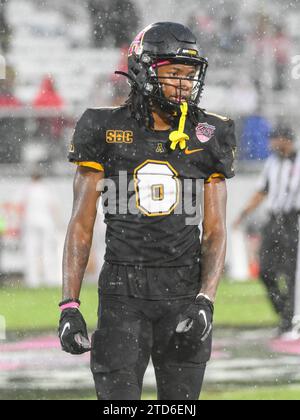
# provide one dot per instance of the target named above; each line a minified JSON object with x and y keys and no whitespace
{"x":280,"y":251}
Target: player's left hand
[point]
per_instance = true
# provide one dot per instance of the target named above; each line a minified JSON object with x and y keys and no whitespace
{"x":198,"y":318}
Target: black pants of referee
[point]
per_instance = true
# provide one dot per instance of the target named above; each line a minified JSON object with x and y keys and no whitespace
{"x":130,"y":331}
{"x":279,"y":257}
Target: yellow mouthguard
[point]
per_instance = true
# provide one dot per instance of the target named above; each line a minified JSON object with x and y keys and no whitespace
{"x":179,"y":137}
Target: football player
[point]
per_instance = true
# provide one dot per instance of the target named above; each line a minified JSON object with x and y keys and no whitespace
{"x":159,"y":281}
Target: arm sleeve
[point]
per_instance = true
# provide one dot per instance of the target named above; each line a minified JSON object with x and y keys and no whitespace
{"x":87,"y":146}
{"x":222,"y":154}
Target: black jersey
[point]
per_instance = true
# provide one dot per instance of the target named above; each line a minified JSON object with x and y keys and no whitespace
{"x":147,"y":226}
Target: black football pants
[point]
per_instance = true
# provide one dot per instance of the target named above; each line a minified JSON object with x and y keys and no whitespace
{"x":280,"y":264}
{"x":130,"y":331}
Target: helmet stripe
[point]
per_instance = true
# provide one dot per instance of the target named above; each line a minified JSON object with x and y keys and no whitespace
{"x":160,"y":63}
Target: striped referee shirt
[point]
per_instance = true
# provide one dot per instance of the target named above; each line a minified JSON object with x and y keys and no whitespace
{"x":280,"y":180}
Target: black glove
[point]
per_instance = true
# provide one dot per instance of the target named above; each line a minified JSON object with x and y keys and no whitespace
{"x":197,"y":319}
{"x":73,"y":333}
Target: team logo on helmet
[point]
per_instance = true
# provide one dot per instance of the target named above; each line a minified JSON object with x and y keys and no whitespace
{"x":205,"y":132}
{"x":137,"y":45}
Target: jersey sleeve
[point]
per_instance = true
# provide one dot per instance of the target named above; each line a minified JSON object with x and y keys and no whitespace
{"x":87,"y":148}
{"x":222,"y":153}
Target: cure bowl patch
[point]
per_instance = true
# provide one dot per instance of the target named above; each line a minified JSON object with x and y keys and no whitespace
{"x":205,"y":132}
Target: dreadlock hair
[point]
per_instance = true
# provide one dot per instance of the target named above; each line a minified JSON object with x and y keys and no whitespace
{"x":141,"y":109}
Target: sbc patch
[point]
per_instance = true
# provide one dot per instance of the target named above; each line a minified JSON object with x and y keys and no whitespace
{"x":205,"y":132}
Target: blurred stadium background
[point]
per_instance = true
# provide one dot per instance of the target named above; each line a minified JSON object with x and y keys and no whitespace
{"x":60,"y":58}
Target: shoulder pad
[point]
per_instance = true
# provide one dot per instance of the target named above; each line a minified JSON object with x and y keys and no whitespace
{"x":221,"y":117}
{"x":106,"y":108}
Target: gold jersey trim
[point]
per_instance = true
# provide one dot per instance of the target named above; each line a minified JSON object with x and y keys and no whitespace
{"x":214,"y":176}
{"x":221,"y":117}
{"x":93,"y":165}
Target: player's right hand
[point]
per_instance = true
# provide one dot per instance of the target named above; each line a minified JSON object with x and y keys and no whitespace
{"x":73,"y":333}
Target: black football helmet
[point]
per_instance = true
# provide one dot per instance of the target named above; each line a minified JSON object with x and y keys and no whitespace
{"x":164,"y":43}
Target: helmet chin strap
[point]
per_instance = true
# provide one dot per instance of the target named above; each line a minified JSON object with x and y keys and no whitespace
{"x":179,"y":137}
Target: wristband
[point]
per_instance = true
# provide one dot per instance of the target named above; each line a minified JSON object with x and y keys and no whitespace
{"x":205,"y":296}
{"x":69,"y":304}
{"x":72,"y":305}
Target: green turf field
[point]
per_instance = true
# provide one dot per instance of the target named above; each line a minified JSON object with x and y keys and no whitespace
{"x":243,"y":394}
{"x":238,"y":305}
{"x":254,"y":393}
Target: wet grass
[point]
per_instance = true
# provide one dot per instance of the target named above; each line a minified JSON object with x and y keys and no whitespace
{"x":238,"y":305}
{"x":245,"y":393}
{"x":243,"y":305}
{"x":273,"y":393}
